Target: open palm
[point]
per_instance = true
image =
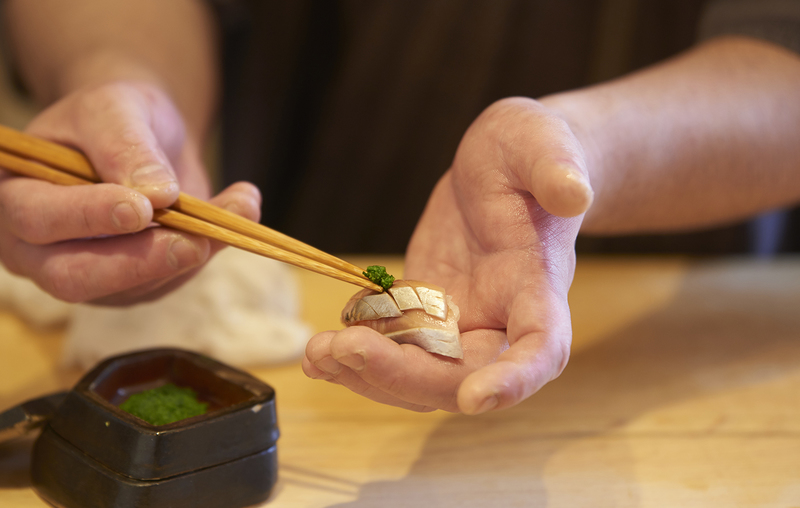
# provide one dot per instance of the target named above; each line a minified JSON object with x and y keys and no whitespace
{"x":494,"y":235}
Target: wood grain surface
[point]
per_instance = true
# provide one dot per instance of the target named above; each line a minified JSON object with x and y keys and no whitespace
{"x":683,"y":390}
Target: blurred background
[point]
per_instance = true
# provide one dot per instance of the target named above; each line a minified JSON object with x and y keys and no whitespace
{"x":15,"y":109}
{"x":382,"y":91}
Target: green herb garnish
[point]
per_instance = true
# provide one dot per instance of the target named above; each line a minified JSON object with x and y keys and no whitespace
{"x":378,"y":275}
{"x":165,"y":404}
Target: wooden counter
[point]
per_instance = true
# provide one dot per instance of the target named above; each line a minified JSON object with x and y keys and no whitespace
{"x":683,"y":390}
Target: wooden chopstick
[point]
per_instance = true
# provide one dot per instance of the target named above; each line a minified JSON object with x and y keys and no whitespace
{"x":33,"y":157}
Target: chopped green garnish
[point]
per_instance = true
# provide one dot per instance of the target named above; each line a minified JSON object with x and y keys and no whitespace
{"x":165,"y":404}
{"x":378,"y":275}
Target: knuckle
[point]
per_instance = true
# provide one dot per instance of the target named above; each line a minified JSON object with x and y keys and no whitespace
{"x":394,"y":384}
{"x":28,"y":226}
{"x":117,"y":102}
{"x":87,"y":221}
{"x":133,"y":137}
{"x":39,"y":226}
{"x":66,"y":282}
{"x":139,"y":123}
{"x":127,"y":149}
{"x":101,"y":100}
{"x":140,"y":271}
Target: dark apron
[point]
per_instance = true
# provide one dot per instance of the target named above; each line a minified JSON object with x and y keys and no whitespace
{"x":345,"y":113}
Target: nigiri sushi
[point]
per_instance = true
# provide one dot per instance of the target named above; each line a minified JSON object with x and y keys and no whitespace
{"x":409,"y":312}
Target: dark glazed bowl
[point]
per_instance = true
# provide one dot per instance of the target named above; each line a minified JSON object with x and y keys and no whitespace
{"x":94,"y":454}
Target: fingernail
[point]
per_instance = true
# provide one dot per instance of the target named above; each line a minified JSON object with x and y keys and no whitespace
{"x":249,"y":209}
{"x":183,"y":254}
{"x":329,"y":365}
{"x":573,"y":173}
{"x":356,"y":361}
{"x":154,"y":175}
{"x":488,"y":403}
{"x":125,"y":217}
{"x":233,"y":207}
{"x":582,"y":194}
{"x":578,"y":176}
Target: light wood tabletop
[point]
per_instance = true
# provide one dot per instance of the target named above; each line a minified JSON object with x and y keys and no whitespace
{"x":683,"y":390}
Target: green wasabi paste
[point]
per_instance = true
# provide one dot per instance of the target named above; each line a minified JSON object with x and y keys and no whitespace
{"x":378,"y":275}
{"x":165,"y":404}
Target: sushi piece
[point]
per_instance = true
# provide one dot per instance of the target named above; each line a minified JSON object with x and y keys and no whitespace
{"x":409,"y":312}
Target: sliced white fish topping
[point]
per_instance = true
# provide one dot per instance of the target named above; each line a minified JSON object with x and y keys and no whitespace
{"x":359,"y":311}
{"x":383,"y":305}
{"x":443,"y":342}
{"x":433,"y":301}
{"x":371,"y":307}
{"x":406,"y":297}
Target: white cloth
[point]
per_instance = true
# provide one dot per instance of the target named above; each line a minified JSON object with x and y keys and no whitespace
{"x":37,"y":308}
{"x":241,"y":309}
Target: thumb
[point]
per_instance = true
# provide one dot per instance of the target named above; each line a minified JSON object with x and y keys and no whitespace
{"x":546,"y":159}
{"x":128,"y":132}
{"x":560,"y":186}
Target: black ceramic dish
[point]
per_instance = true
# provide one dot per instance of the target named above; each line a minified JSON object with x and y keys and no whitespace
{"x":93,"y":454}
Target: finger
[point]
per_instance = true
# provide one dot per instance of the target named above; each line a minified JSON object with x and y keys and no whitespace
{"x":128,"y":132}
{"x":517,"y":374}
{"x":85,"y":270}
{"x":408,"y":372}
{"x":147,"y":292}
{"x":350,"y":380}
{"x":191,"y":171}
{"x":241,"y":198}
{"x":328,"y":369}
{"x":314,"y":372}
{"x":40,"y":213}
{"x":538,"y":353}
{"x":405,"y":371}
{"x":545,"y":156}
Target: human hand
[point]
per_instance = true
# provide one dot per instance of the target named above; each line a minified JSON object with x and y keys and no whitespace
{"x":498,"y":233}
{"x":94,"y":243}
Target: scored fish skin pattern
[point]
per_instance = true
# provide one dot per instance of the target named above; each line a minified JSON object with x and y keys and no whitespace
{"x":360,"y":311}
{"x":443,"y":342}
{"x":383,"y":305}
{"x":401,"y":297}
{"x":416,"y":313}
{"x":405,"y":296}
{"x":433,"y":301}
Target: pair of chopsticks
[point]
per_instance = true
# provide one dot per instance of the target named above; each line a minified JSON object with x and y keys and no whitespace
{"x":33,"y":157}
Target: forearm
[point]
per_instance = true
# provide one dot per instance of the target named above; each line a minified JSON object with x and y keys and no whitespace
{"x":63,"y":46}
{"x":705,"y":138}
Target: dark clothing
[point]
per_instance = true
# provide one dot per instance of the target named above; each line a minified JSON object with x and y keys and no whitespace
{"x":345,"y":113}
{"x":776,"y":21}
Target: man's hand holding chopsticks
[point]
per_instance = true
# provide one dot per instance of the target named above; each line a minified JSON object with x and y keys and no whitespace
{"x":94,"y":243}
